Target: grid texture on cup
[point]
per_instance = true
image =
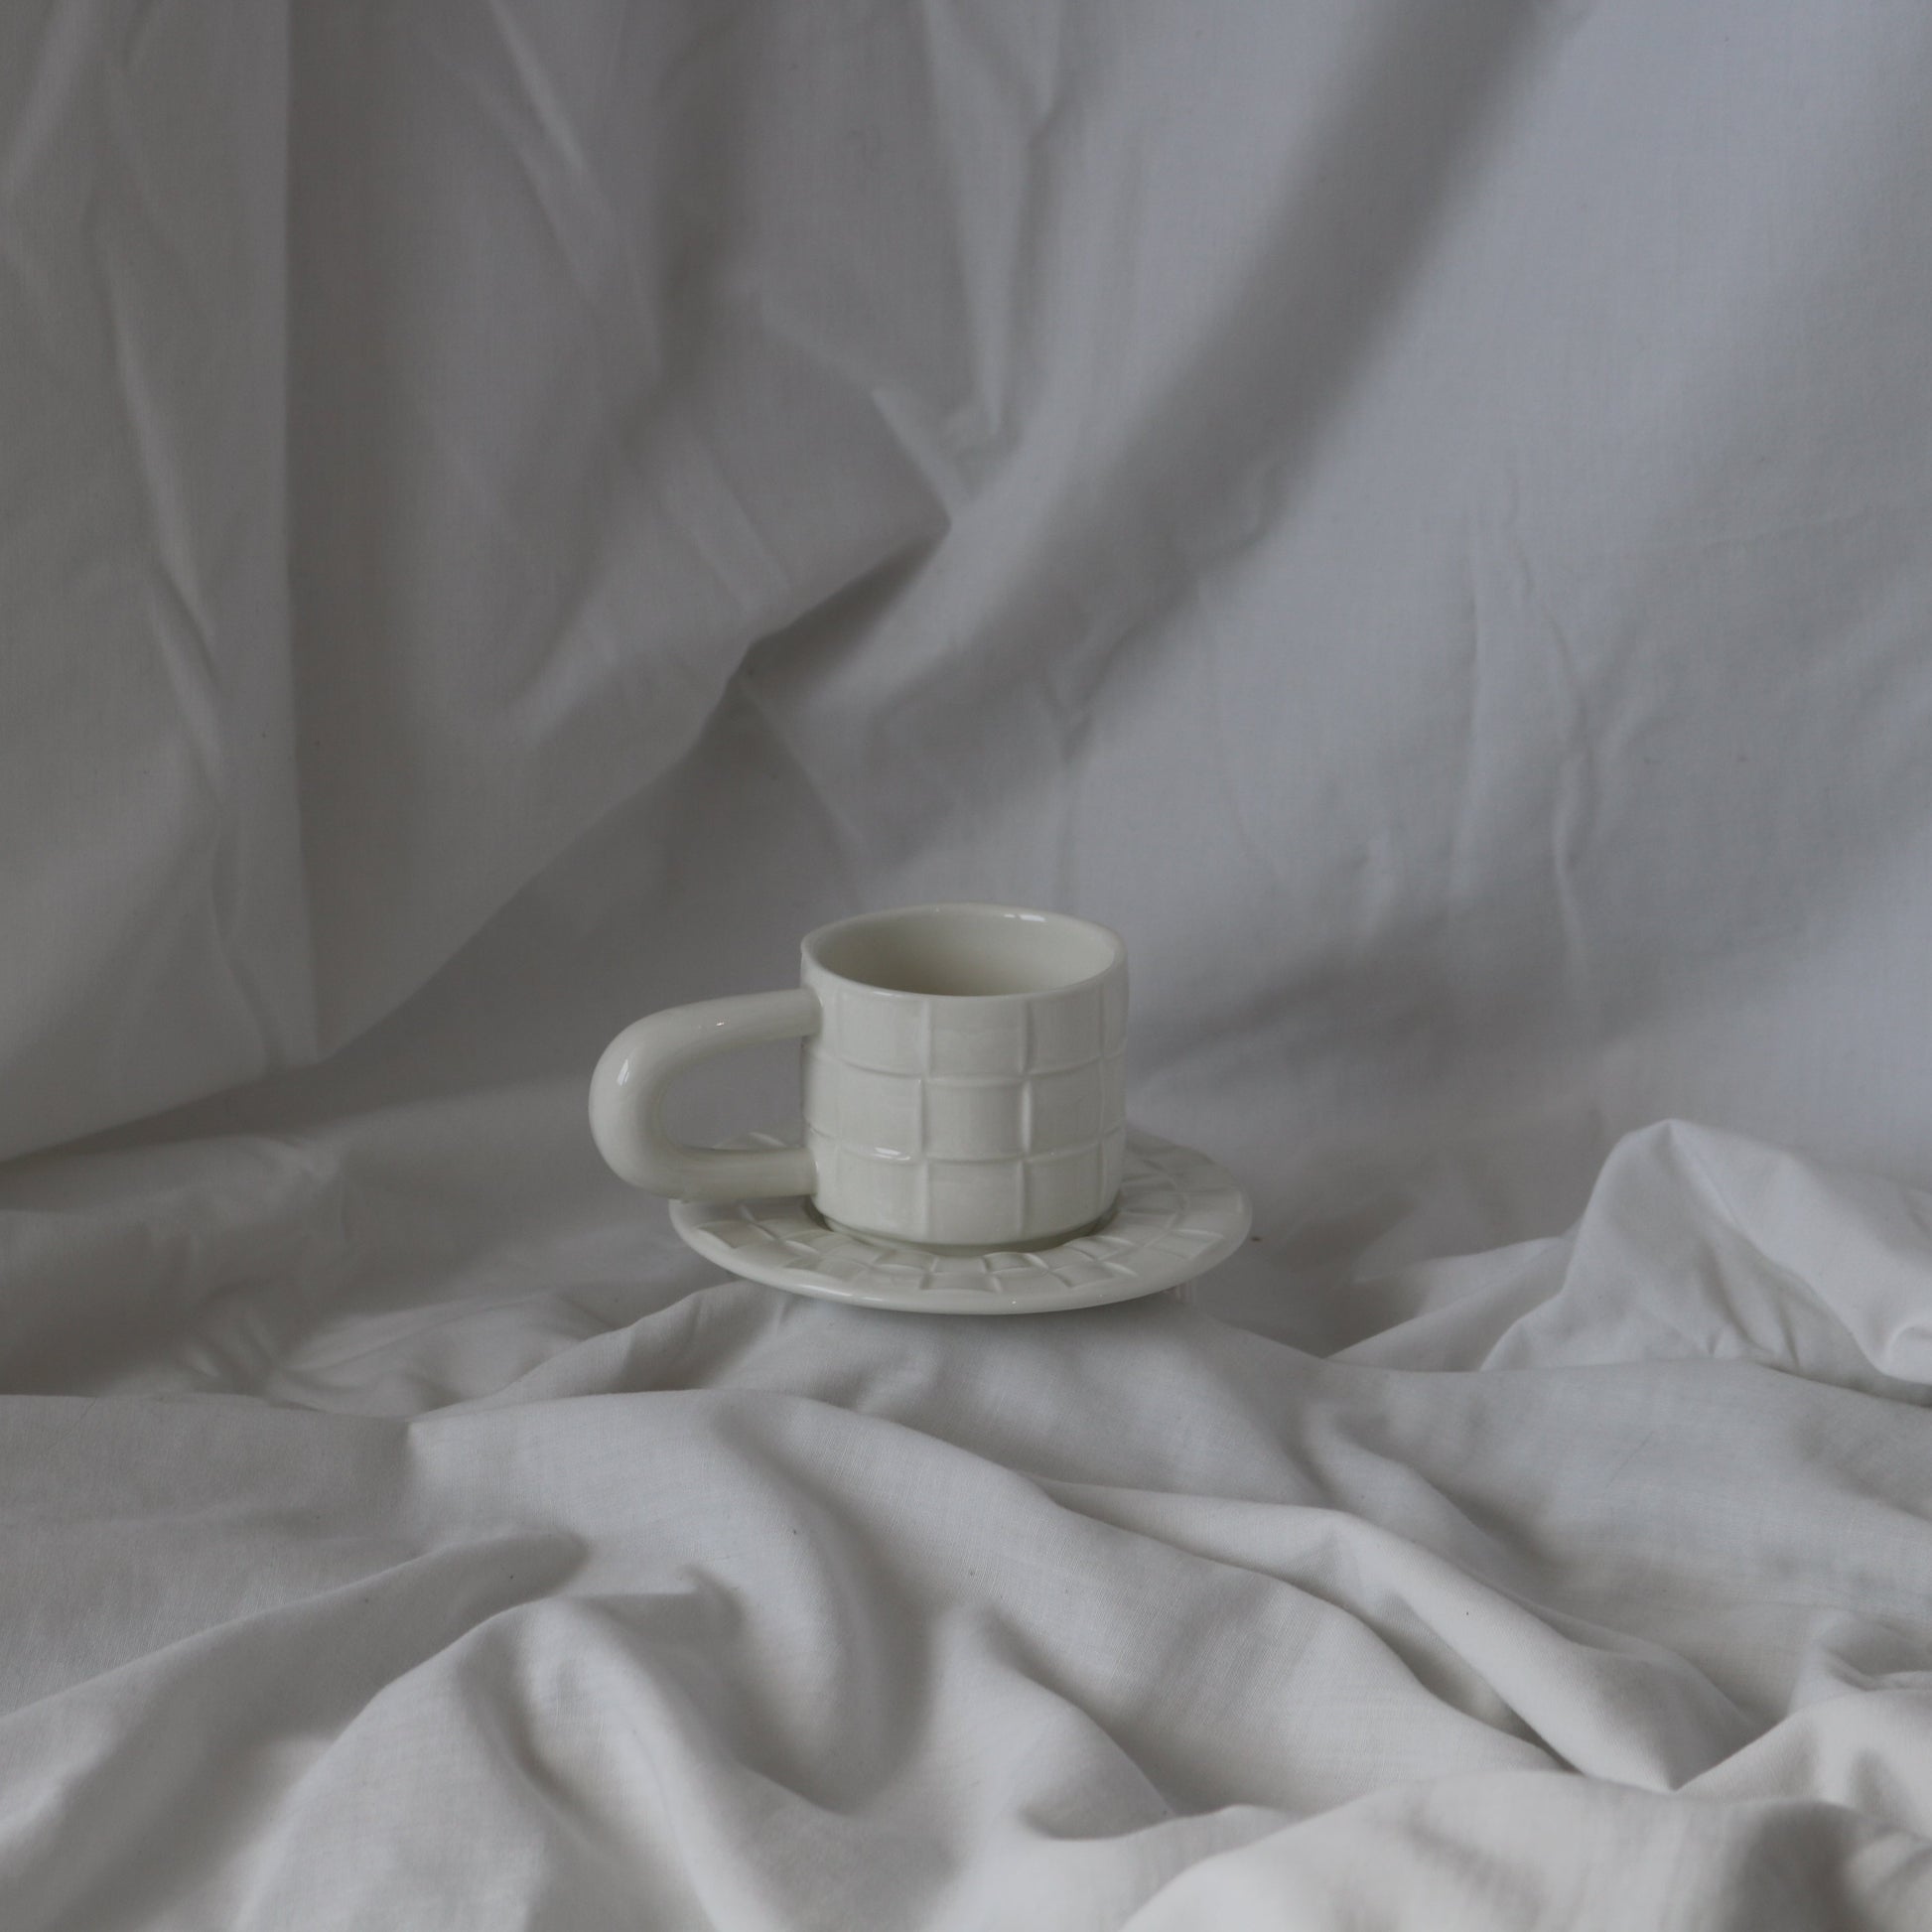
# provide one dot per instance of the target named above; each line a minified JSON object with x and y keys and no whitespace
{"x":957,"y":1121}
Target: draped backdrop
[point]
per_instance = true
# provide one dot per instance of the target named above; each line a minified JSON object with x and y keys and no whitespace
{"x":1415,"y":514}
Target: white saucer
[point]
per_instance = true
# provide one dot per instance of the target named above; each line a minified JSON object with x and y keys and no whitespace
{"x":1176,"y":1217}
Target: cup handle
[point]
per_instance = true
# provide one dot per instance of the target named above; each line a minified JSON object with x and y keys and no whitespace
{"x":628,"y":1087}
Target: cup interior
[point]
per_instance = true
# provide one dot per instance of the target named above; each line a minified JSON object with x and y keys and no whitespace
{"x":965,"y":952}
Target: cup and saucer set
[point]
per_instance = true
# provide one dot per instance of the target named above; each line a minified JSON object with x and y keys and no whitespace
{"x":966,"y":1145}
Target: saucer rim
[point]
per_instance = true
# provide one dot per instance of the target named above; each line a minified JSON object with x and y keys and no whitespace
{"x":1158,"y":1273}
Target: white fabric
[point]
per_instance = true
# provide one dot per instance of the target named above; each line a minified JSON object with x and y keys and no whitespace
{"x":511,"y":512}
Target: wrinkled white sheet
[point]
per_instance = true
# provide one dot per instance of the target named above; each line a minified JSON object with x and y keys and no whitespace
{"x":510,"y":513}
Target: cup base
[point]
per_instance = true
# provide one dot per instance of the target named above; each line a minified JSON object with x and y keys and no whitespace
{"x":1040,"y":1245}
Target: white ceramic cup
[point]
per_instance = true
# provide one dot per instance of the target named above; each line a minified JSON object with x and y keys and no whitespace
{"x":962,"y":1080}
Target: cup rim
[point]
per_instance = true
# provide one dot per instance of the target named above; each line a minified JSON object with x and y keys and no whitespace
{"x":813,"y":941}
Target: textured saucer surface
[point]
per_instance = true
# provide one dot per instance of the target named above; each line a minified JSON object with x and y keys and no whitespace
{"x":1176,"y":1217}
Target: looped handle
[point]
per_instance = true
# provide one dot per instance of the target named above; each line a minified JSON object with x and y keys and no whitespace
{"x":627,"y":1099}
